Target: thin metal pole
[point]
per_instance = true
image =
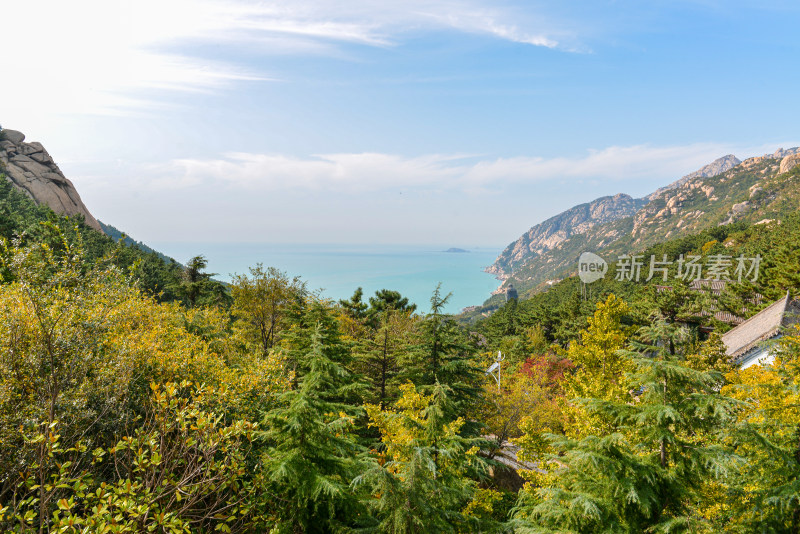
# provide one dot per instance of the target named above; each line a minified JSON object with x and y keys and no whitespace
{"x":499,"y":367}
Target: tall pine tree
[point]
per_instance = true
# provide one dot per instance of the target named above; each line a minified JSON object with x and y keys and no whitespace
{"x":389,"y":323}
{"x":312,"y":451}
{"x":446,"y":355}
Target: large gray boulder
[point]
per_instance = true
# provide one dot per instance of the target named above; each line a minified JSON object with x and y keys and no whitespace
{"x":30,"y":168}
{"x":14,"y":136}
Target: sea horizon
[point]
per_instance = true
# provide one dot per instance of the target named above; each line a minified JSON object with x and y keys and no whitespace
{"x":338,"y":269}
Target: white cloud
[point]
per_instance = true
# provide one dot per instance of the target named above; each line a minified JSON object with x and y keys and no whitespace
{"x":612,"y":163}
{"x":370,"y":172}
{"x":342,"y":172}
{"x":371,"y":197}
{"x":97,"y":57}
{"x":101,"y":57}
{"x":382,"y":23}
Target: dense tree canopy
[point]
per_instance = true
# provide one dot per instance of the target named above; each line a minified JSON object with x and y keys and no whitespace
{"x":140,"y":395}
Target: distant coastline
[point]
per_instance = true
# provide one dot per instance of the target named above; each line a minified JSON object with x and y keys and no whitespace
{"x":456,"y":250}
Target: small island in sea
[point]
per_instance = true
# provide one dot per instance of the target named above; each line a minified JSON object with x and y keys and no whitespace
{"x":456,"y":250}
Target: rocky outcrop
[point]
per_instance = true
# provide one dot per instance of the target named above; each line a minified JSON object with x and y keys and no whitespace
{"x":718,"y":166}
{"x":789,"y":162}
{"x":555,"y":230}
{"x":31,"y":169}
{"x":782,"y":153}
{"x":721,"y":165}
{"x":668,"y":201}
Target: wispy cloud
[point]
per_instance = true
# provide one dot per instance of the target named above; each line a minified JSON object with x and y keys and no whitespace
{"x":384,"y":23}
{"x":370,"y":197}
{"x":98,"y":57}
{"x":371,"y":172}
{"x":101,"y":57}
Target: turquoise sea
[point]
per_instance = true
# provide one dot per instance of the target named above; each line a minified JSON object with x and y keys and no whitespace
{"x":413,"y":270}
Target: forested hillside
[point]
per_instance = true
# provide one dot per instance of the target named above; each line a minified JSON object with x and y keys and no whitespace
{"x":117,"y":235}
{"x":138,"y":395}
{"x":22,"y":221}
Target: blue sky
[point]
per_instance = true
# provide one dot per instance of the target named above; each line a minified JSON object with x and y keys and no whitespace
{"x":457,"y":122}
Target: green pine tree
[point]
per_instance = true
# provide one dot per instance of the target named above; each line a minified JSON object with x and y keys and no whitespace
{"x":312,"y":450}
{"x":446,"y":355}
{"x":648,"y":475}
{"x":355,"y":306}
{"x":427,"y":474}
{"x":389,"y":326}
{"x":197,"y":288}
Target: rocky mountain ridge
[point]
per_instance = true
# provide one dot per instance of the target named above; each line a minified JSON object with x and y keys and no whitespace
{"x":718,"y":166}
{"x":30,"y":168}
{"x":551,"y":233}
{"x":577,"y":220}
{"x":758,"y":188}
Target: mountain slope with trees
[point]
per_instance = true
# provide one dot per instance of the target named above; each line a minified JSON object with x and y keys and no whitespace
{"x":757,"y":189}
{"x":138,"y":395}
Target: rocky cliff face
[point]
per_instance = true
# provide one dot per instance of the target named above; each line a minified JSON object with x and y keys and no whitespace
{"x":718,"y":166}
{"x":555,"y":230}
{"x":783,"y":153}
{"x":670,"y":202}
{"x":551,"y":233}
{"x":31,"y":169}
{"x":756,"y":189}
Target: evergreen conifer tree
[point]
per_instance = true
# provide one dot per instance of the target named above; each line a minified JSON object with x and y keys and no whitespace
{"x":308,"y":319}
{"x":445,"y":355}
{"x":355,"y":306}
{"x":312,"y":450}
{"x":197,"y":288}
{"x":426,"y":475}
{"x":648,"y":474}
{"x":389,"y":327}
